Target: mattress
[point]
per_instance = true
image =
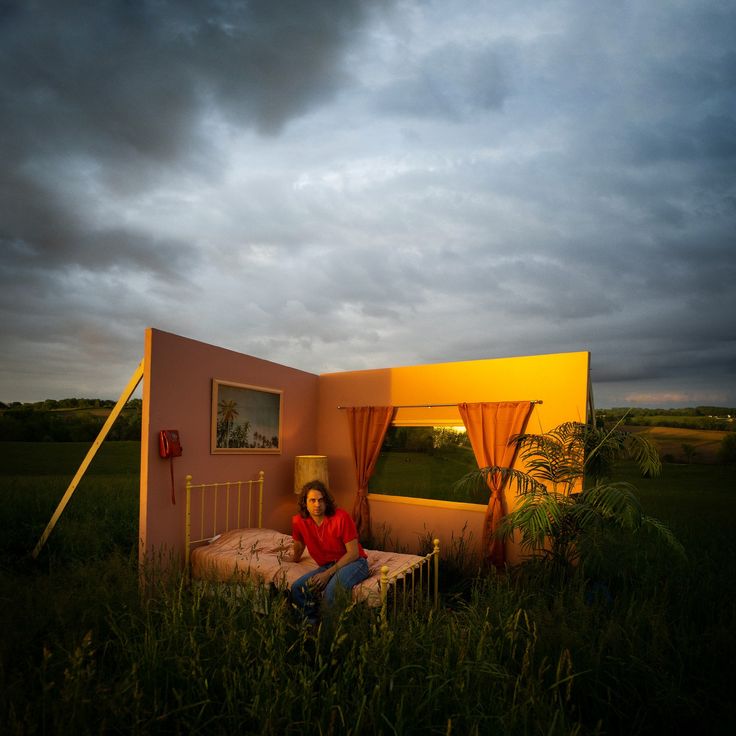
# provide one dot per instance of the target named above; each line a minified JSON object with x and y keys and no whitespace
{"x":262,"y":556}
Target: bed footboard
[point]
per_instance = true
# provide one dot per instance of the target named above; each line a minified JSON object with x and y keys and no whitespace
{"x":411,"y":582}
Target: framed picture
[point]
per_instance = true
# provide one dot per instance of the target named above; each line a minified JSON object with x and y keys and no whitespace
{"x":245,"y":419}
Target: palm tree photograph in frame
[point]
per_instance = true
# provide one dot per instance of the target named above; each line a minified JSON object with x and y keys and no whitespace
{"x":247,"y":418}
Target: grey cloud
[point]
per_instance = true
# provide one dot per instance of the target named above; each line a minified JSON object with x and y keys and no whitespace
{"x":712,"y":137}
{"x":662,"y":361}
{"x":123,"y":91}
{"x":49,"y":245}
{"x":137,"y":75}
{"x":523,"y":179}
{"x":450,"y":82}
{"x":127,"y":87}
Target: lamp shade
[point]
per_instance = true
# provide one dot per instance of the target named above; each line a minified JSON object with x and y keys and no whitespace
{"x":309,"y":467}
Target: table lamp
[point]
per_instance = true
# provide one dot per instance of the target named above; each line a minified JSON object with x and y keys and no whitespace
{"x":310,"y":467}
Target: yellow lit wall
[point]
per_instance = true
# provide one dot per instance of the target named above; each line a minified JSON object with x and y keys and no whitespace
{"x":559,"y":381}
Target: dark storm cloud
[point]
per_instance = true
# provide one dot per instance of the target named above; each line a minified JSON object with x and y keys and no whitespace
{"x":125,"y":87}
{"x":103,"y":101}
{"x":134,"y":75}
{"x":333,"y":187}
{"x":41,"y":234}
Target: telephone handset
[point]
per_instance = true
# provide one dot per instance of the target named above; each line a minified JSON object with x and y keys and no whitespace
{"x":169,"y":446}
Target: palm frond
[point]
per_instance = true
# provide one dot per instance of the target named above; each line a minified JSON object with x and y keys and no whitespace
{"x":644,"y":454}
{"x":537,"y":517}
{"x":663,"y":533}
{"x":554,"y":457}
{"x":605,"y":447}
{"x":615,"y":501}
{"x":524,"y":482}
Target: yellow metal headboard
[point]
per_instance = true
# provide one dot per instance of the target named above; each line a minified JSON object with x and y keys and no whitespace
{"x":220,"y":509}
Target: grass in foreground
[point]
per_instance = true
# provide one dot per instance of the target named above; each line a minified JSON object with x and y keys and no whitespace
{"x":84,"y":652}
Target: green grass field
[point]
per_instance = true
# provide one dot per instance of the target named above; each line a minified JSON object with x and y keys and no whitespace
{"x":419,"y":475}
{"x":83,"y":651}
{"x":101,"y":515}
{"x":64,"y":458}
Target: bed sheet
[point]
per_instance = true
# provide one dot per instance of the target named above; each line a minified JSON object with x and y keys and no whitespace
{"x":261,"y":555}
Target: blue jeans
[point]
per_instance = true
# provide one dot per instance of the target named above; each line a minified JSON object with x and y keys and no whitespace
{"x":307,"y":599}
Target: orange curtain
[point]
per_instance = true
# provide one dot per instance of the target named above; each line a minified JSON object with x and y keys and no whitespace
{"x":490,"y":426}
{"x":368,"y":425}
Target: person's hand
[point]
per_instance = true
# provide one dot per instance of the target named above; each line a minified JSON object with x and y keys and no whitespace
{"x":320,"y":580}
{"x":294,"y":552}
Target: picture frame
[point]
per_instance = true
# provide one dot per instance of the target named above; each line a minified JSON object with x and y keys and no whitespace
{"x":245,"y":419}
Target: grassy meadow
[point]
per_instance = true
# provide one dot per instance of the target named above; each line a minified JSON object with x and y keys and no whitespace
{"x":646,"y":647}
{"x":420,"y":475}
{"x":671,"y":441}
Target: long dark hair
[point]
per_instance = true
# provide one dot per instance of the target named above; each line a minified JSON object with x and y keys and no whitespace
{"x":315,"y":485}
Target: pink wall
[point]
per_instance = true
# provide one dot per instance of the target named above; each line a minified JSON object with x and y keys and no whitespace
{"x":177,"y":394}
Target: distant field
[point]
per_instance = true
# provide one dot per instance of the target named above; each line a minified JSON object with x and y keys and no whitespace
{"x":102,"y":514}
{"x":669,"y":441}
{"x":696,"y":501}
{"x":64,"y":458}
{"x":95,"y":411}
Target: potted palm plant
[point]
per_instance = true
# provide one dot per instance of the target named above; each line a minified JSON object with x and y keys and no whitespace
{"x":567,"y":502}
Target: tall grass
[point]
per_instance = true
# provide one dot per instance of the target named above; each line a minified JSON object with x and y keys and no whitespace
{"x":86,"y":649}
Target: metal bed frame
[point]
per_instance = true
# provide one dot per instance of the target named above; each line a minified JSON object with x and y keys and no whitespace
{"x":221,"y":506}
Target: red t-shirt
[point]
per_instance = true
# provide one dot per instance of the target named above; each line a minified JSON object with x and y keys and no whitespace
{"x":326,"y":542}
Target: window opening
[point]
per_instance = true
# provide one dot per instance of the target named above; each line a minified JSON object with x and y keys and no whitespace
{"x":426,"y":462}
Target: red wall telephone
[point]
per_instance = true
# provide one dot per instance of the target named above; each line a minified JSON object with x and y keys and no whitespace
{"x":169,"y":446}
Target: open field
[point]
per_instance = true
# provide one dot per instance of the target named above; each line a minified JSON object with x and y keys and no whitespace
{"x":669,"y":441}
{"x":60,"y":458}
{"x":525,"y":653}
{"x":102,"y":513}
{"x":418,"y":474}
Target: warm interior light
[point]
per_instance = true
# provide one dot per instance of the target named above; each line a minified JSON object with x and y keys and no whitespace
{"x":309,"y":467}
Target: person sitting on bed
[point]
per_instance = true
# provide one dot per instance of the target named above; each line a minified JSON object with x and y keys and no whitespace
{"x":330,"y":535}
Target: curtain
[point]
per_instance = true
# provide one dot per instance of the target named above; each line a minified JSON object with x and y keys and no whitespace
{"x":490,"y":426}
{"x":368,"y":425}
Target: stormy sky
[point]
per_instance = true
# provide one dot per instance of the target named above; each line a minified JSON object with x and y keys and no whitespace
{"x":334,"y":185}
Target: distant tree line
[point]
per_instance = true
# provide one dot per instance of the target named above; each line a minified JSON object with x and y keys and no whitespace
{"x":423,"y":439}
{"x":67,"y":420}
{"x":700,"y":417}
{"x":50,"y":404}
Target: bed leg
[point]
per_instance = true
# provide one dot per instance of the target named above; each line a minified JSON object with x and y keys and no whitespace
{"x":188,"y":525}
{"x":260,"y":499}
{"x":436,"y":553}
{"x":384,"y":596}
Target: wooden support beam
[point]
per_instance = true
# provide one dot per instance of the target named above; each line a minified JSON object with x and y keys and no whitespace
{"x":135,"y":379}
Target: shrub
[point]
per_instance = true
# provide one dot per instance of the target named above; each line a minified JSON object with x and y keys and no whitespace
{"x":727,"y":450}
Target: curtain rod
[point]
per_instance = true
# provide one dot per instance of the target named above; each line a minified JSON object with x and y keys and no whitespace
{"x":434,"y":406}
